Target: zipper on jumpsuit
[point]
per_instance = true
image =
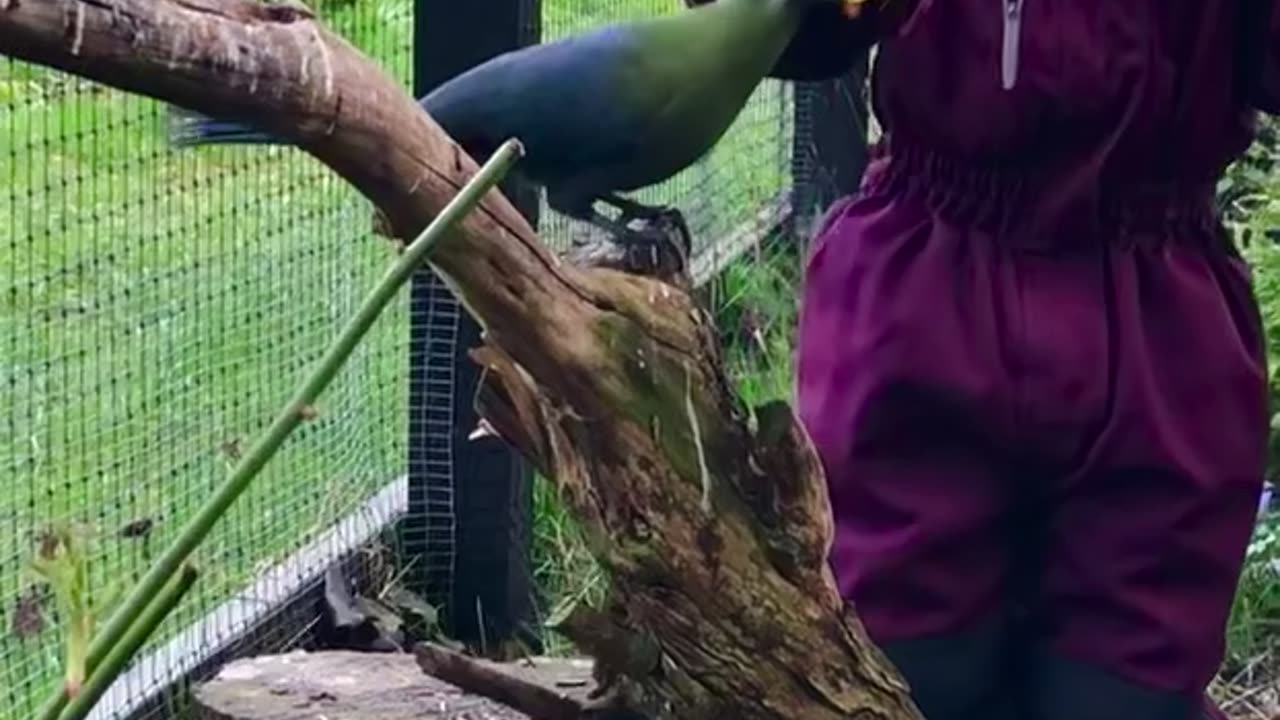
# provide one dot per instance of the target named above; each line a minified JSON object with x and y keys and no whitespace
{"x":1012,"y":12}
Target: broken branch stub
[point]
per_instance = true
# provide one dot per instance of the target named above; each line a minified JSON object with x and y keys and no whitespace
{"x":714,"y":535}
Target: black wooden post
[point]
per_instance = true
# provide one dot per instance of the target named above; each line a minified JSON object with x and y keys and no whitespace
{"x":829,"y":150}
{"x":468,"y":529}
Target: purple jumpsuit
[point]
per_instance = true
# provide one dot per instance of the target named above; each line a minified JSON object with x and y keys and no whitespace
{"x":1031,"y":359}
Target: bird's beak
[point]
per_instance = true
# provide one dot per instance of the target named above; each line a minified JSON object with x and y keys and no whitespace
{"x":851,"y":8}
{"x":483,"y":430}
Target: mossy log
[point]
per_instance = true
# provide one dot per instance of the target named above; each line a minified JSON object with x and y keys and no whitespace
{"x":711,"y":519}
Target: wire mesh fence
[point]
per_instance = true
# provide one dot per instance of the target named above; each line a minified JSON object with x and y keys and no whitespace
{"x":157,"y":306}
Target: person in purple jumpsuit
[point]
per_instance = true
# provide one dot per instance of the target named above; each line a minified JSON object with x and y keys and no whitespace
{"x":1029,"y":355}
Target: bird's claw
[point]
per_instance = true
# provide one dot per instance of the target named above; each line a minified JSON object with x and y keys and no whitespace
{"x":656,"y":249}
{"x":643,"y":256}
{"x":668,"y":224}
{"x":672,"y":221}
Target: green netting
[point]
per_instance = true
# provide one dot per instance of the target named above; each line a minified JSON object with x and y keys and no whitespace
{"x":156,"y":308}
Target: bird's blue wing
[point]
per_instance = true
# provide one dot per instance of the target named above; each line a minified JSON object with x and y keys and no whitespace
{"x":571,"y":103}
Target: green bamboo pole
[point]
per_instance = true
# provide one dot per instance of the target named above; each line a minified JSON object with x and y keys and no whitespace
{"x":293,"y":414}
{"x":101,"y":677}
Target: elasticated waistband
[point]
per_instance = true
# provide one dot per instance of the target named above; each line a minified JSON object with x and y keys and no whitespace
{"x":1029,"y":210}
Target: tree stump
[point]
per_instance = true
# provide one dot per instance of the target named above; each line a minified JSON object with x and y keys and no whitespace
{"x":711,"y":518}
{"x":344,"y":685}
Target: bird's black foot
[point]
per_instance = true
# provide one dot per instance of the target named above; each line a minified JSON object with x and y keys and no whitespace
{"x":658,"y":248}
{"x":661,"y":246}
{"x":670,"y":223}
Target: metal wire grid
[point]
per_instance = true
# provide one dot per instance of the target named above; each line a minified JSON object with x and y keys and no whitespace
{"x":820,"y":176}
{"x":432,"y":536}
{"x":156,"y":309}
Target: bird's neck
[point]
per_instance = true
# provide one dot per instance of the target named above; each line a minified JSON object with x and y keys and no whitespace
{"x":761,"y":29}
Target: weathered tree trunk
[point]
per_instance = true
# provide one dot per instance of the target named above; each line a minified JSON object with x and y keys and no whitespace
{"x":714,"y":528}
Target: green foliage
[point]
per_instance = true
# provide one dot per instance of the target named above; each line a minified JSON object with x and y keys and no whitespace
{"x":564,"y":570}
{"x":1250,"y":198}
{"x":756,"y":301}
{"x":1264,"y":259}
{"x":62,"y":563}
{"x":1255,"y":615}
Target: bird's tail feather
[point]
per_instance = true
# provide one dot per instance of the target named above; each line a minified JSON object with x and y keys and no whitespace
{"x":190,"y":129}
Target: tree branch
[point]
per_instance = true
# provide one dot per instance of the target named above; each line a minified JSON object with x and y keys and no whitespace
{"x":482,"y":678}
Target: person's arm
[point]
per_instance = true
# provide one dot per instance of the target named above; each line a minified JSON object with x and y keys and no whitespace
{"x":827,"y":43}
{"x":1259,"y":48}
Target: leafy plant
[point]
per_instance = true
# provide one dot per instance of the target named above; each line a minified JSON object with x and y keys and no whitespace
{"x":61,"y":561}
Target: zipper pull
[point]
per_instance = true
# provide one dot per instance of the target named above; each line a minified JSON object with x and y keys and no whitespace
{"x":1012,"y":31}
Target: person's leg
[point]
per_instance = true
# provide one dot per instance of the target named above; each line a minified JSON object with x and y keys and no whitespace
{"x":1149,"y":531}
{"x":901,"y":387}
